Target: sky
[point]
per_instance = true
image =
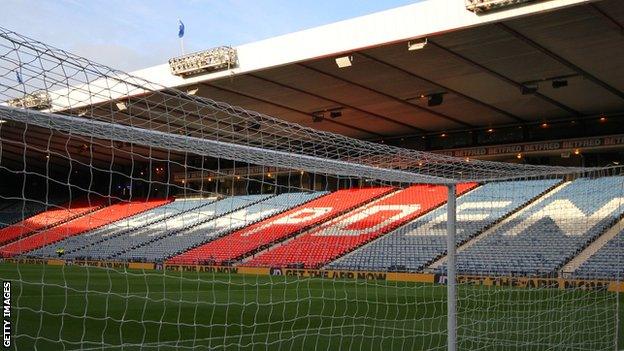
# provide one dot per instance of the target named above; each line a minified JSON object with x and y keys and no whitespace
{"x":134,"y":34}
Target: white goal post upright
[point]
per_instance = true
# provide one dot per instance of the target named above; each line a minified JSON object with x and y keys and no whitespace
{"x":451,"y":281}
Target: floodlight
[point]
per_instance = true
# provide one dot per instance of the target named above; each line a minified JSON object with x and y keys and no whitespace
{"x":479,"y":6}
{"x":417,"y":44}
{"x":344,"y":61}
{"x":38,"y":100}
{"x":215,"y":59}
{"x":192,"y":91}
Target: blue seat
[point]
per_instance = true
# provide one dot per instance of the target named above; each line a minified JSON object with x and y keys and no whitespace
{"x":418,"y":243}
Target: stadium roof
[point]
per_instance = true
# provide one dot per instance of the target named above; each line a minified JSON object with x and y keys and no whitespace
{"x":480,"y":63}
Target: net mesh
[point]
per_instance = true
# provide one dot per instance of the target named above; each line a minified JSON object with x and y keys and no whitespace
{"x":136,"y":216}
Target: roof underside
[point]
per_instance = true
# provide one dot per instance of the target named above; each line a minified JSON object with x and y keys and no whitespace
{"x":480,"y":70}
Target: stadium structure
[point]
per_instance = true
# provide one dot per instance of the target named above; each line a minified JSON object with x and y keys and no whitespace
{"x":440,"y":176}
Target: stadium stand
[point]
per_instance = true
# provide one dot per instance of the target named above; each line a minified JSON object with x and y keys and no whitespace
{"x":76,"y":246}
{"x":261,"y":235}
{"x":175,"y":242}
{"x":606,"y":263}
{"x":413,"y":246}
{"x":542,"y":238}
{"x":78,"y":225}
{"x":49,"y":218}
{"x":13,"y":211}
{"x":119,"y":244}
{"x":333,"y":239}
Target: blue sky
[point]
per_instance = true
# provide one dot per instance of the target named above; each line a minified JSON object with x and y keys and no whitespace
{"x":133,"y":34}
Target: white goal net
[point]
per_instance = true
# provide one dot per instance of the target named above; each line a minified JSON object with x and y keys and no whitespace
{"x":139,"y":217}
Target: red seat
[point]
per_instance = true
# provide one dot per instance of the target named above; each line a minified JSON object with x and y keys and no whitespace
{"x":276,"y":228}
{"x":49,"y":218}
{"x":349,"y":231}
{"x":79,"y":225}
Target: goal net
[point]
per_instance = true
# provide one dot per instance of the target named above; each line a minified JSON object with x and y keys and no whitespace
{"x":139,"y":217}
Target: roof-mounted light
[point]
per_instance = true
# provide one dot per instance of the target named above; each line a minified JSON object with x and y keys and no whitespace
{"x":478,"y":6}
{"x":416,"y":44}
{"x":192,"y":91}
{"x":216,"y":59}
{"x":121,"y":106}
{"x":38,"y":100}
{"x":344,"y":61}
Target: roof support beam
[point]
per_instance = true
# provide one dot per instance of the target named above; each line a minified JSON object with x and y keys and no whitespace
{"x":387,"y":119}
{"x":60,"y":148}
{"x":456,"y":92}
{"x":606,"y":16}
{"x":148,"y":153}
{"x":504,"y":78}
{"x":36,"y":156}
{"x":562,"y":60}
{"x":581,"y":119}
{"x":231,"y":91}
{"x":388,"y":96}
{"x":40,"y":164}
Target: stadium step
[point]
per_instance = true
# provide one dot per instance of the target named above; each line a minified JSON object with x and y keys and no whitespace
{"x":225,"y":234}
{"x":591,"y":249}
{"x":199,"y":223}
{"x":25,"y":211}
{"x":315,"y":249}
{"x":191,"y":256}
{"x":370,"y":242}
{"x":132,"y":229}
{"x":48,"y":219}
{"x":286,"y":239}
{"x":440,"y":261}
{"x":76,"y":226}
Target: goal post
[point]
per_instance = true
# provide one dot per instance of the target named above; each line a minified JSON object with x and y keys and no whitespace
{"x":451,"y":294}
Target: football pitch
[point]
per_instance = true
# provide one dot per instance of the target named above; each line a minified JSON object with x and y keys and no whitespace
{"x":69,"y":308}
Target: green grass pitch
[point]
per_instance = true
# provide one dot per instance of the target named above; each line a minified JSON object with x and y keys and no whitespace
{"x":69,"y":308}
